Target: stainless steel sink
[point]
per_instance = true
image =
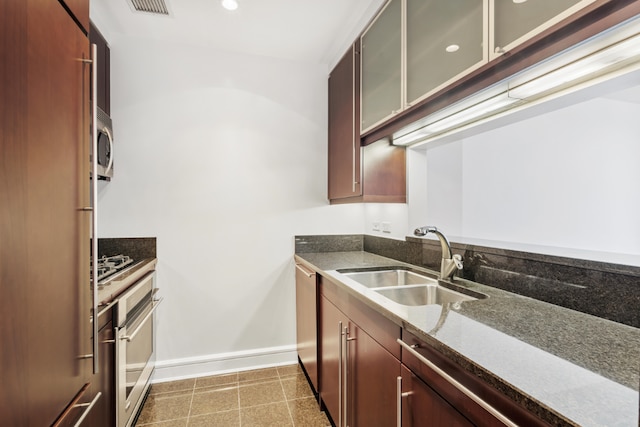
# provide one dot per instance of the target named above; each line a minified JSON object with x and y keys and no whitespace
{"x":407,"y":287}
{"x":424,"y":295}
{"x":386,"y":278}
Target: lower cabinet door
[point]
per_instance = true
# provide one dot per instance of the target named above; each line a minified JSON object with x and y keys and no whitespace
{"x":371,"y":381}
{"x":422,"y":406}
{"x":332,"y":322}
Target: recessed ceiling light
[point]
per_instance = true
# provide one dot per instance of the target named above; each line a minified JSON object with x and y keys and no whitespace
{"x":452,"y":48}
{"x":230,"y":4}
{"x":519,"y":1}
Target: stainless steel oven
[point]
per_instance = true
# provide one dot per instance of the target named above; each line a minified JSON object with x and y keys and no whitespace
{"x":135,"y":347}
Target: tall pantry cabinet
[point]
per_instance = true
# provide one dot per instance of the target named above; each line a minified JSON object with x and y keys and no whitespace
{"x":45,"y":300}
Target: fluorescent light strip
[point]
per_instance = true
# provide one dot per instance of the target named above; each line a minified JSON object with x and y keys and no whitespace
{"x":474,"y":112}
{"x":591,"y":64}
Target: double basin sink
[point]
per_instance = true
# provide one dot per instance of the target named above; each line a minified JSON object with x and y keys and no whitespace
{"x":406,"y":287}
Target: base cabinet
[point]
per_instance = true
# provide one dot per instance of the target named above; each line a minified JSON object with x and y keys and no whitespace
{"x":358,"y":374}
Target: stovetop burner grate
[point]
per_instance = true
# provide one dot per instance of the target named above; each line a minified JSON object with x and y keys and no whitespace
{"x":109,"y":265}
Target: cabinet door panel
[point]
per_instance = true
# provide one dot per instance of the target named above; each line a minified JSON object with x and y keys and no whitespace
{"x":43,"y":184}
{"x":371,"y":380}
{"x":331,"y":357}
{"x":513,"y":22}
{"x":445,"y":39}
{"x":381,"y":56}
{"x":80,"y":11}
{"x":344,"y":134}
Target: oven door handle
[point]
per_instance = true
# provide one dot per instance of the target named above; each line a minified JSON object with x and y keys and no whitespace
{"x":156,"y":303}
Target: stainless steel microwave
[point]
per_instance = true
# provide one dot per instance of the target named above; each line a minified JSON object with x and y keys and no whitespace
{"x":105,"y":145}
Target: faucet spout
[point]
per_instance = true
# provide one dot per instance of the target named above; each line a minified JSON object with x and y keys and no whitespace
{"x":450,"y":263}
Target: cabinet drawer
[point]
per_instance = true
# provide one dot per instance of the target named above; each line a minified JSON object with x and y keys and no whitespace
{"x":78,"y":410}
{"x":472,"y":410}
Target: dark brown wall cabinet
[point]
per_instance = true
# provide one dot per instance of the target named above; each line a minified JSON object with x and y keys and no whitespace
{"x":375,"y":173}
{"x":45,"y":356}
{"x":104,"y":69}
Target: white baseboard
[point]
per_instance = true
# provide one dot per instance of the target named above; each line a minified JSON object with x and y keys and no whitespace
{"x":216,"y":364}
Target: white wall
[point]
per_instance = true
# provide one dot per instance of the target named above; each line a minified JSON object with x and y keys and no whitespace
{"x":223,"y":157}
{"x":566,"y":179}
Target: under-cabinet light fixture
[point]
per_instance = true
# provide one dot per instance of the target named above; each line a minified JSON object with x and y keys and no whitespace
{"x":616,"y":50}
{"x":468,"y":110}
{"x":593,"y":64}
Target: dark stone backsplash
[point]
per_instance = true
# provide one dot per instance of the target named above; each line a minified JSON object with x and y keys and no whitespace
{"x":329,"y":243}
{"x":137,"y":248}
{"x":609,"y":291}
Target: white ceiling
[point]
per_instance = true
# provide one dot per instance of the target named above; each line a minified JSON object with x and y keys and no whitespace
{"x":316,"y":31}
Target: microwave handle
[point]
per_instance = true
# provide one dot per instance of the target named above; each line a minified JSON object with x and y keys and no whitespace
{"x":110,"y":138}
{"x":94,"y":202}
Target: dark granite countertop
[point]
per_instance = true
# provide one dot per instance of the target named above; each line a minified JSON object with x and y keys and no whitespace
{"x":568,"y":367}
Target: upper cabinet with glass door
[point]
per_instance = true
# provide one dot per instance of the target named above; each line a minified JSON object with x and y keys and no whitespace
{"x":415,"y":48}
{"x":381,"y":67}
{"x":446,"y":39}
{"x":515,"y":21}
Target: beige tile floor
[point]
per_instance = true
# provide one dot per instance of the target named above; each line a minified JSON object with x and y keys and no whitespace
{"x":276,"y":397}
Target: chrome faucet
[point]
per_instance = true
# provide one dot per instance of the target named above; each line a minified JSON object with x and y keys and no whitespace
{"x":450,"y":263}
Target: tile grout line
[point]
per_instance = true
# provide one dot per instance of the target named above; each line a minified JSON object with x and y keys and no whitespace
{"x":286,"y":402}
{"x":239,"y":407}
{"x":193,"y":390}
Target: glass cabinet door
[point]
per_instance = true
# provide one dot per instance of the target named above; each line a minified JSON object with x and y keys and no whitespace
{"x":445,"y":40}
{"x":381,"y":67}
{"x":514,"y":21}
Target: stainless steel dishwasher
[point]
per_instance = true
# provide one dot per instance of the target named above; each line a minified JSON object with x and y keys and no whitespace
{"x":306,"y":322}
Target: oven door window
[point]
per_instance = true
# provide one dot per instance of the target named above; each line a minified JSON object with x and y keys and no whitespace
{"x":104,"y":149}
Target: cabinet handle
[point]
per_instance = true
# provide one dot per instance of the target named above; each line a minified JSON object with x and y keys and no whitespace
{"x":94,"y":201}
{"x":471,"y":395}
{"x":88,"y":406}
{"x":347,"y":339}
{"x":305,"y":271}
{"x":399,"y":396}
{"x":353,"y":121}
{"x":340,"y":362}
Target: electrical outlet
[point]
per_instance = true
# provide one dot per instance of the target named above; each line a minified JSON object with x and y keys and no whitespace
{"x":386,"y":226}
{"x":376,"y":225}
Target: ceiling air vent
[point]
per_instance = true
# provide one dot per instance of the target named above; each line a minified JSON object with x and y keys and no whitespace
{"x":150,"y":6}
